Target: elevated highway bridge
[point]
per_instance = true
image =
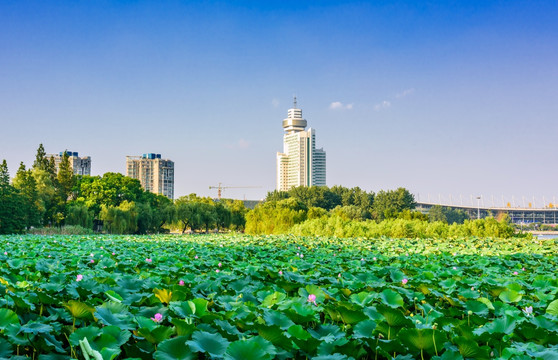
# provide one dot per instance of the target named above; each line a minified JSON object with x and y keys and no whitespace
{"x":518,"y":215}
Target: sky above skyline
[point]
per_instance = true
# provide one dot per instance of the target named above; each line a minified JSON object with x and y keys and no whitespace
{"x":455,"y":98}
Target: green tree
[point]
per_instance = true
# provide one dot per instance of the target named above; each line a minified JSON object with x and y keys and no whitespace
{"x":222,"y":216}
{"x":238,"y":214}
{"x":275,"y":217}
{"x":187,"y":213}
{"x":66,"y":178}
{"x":41,"y":161}
{"x":27,"y":186}
{"x":79,"y":214}
{"x":121,"y":219}
{"x":388,"y":204}
{"x":12,"y":204}
{"x":109,"y":190}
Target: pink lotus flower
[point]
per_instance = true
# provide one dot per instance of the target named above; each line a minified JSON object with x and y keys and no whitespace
{"x":113,"y":254}
{"x":515,"y":273}
{"x":148,"y":260}
{"x":157,"y":318}
{"x":280,"y":272}
{"x":195,"y":257}
{"x":101,"y":248}
{"x":219,"y":264}
{"x":5,"y":253}
{"x":312,"y":299}
{"x":217,"y":270}
{"x":181,"y":283}
{"x":79,"y":277}
{"x":92,"y":261}
{"x":374,"y":258}
{"x":528,"y":310}
{"x":301,"y":256}
{"x":404,"y":281}
{"x":523,"y":269}
{"x":339,"y":275}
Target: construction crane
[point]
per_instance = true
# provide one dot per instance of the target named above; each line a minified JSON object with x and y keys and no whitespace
{"x":220,"y":188}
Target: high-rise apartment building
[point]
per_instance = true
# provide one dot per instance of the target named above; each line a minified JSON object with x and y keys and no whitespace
{"x":300,"y":163}
{"x":155,"y":174}
{"x":81,"y":165}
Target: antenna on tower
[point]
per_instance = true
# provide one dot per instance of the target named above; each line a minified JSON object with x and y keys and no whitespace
{"x":294,"y":102}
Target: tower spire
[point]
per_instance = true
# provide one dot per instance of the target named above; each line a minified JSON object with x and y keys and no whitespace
{"x":294,"y":107}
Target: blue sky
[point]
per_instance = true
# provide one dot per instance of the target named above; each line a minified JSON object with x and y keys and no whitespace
{"x":446,"y":98}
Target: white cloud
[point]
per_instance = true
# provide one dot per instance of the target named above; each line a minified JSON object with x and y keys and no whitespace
{"x":243,"y":144}
{"x":240,"y":144}
{"x":383,"y":105}
{"x":405,"y":93}
{"x":275,"y":102}
{"x":338,"y":105}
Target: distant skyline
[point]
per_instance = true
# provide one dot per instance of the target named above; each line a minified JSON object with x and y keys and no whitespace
{"x":444,"y":98}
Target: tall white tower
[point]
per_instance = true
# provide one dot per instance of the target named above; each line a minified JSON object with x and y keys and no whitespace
{"x":300,"y":163}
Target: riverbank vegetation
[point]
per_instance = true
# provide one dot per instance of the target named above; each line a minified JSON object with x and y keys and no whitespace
{"x":42,"y":199}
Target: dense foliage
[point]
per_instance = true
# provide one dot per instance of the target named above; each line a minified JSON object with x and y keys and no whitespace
{"x":242,"y":297}
{"x":113,"y":203}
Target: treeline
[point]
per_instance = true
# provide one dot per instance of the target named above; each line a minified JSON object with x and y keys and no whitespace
{"x":344,"y":212}
{"x":42,"y":197}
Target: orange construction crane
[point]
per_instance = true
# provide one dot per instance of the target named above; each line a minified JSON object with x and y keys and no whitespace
{"x":220,"y":188}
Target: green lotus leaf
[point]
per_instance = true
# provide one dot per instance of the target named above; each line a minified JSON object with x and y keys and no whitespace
{"x":335,"y":356}
{"x":470,"y":349}
{"x":174,"y":349}
{"x":7,"y":317}
{"x":111,"y":337}
{"x":509,"y":296}
{"x":298,"y":332}
{"x":552,"y":308}
{"x":49,"y":357}
{"x":6,"y":348}
{"x":362,"y":298}
{"x":486,"y":302}
{"x":157,"y":335}
{"x":213,"y":344}
{"x":327,"y":333}
{"x":247,"y":350}
{"x":348,"y":314}
{"x":314,"y":290}
{"x":396,"y":276}
{"x":79,"y":310}
{"x":110,"y":353}
{"x":274,"y":335}
{"x":121,"y":320}
{"x":50,"y":340}
{"x":422,"y":339}
{"x":477,"y":307}
{"x":449,"y":355}
{"x":89,"y":332}
{"x":113,"y":296}
{"x":273,"y":299}
{"x":391,"y":298}
{"x":273,"y":317}
{"x":503,"y":325}
{"x":183,"y":328}
{"x":365,"y":329}
{"x":35,"y":328}
{"x":393,"y":317}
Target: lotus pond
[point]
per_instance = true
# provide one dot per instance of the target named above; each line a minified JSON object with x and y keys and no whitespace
{"x":248,"y":297}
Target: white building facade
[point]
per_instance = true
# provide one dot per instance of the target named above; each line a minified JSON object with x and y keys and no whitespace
{"x":300,"y":163}
{"x":155,"y":174}
{"x":80,"y":165}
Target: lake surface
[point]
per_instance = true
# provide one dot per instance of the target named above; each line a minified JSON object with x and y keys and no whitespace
{"x":546,"y":237}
